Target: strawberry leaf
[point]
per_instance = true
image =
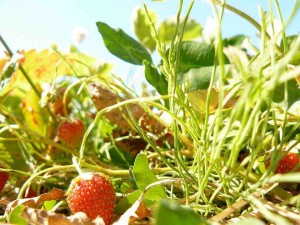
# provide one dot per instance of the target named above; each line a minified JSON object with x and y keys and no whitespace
{"x":143,"y":177}
{"x":122,"y":45}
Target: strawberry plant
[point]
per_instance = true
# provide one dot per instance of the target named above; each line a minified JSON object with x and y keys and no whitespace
{"x":213,"y":138}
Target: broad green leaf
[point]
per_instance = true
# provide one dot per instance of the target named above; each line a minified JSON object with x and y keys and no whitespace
{"x":248,"y":221}
{"x":130,"y":199}
{"x":196,"y":63}
{"x":142,"y":27}
{"x":48,"y":205}
{"x":195,"y":54}
{"x":15,"y":216}
{"x":122,"y":45}
{"x":199,"y":78}
{"x":127,"y":201}
{"x":156,"y":79}
{"x":168,"y":27}
{"x":11,"y":153}
{"x":293,"y":92}
{"x":169,"y":212}
{"x":236,"y":40}
{"x":143,"y":177}
{"x":36,"y":118}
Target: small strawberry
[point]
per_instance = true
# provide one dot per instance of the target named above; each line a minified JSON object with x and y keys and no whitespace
{"x":288,"y":163}
{"x":31,"y":193}
{"x":94,"y":195}
{"x":3,"y":179}
{"x":71,"y":133}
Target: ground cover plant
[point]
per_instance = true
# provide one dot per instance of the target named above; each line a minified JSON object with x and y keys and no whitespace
{"x":213,"y":139}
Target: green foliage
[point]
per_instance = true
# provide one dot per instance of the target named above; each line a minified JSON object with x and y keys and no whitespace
{"x":144,"y":176}
{"x":292,"y":93}
{"x":142,"y":28}
{"x":168,"y":27}
{"x":236,"y":40}
{"x":194,"y":55}
{"x":248,"y":221}
{"x":11,"y":153}
{"x":122,"y":45}
{"x":196,"y":64}
{"x":156,"y":79}
{"x":169,"y":212}
{"x":15,"y":216}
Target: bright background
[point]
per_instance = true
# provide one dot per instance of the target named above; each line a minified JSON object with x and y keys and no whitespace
{"x":27,"y":24}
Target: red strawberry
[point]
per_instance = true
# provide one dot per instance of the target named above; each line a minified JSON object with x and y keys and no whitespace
{"x":71,"y":133}
{"x":94,"y":195}
{"x":288,"y":163}
{"x":30,"y":193}
{"x":3,"y":179}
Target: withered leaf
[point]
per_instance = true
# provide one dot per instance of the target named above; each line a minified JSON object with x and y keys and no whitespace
{"x":55,"y":194}
{"x":40,"y":217}
{"x":137,"y":211}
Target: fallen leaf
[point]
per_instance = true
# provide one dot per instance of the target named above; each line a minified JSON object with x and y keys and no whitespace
{"x":103,"y":98}
{"x":55,"y":194}
{"x":136,"y":212}
{"x":40,"y":217}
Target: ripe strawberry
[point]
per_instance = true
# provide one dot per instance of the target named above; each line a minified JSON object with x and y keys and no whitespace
{"x":3,"y":179}
{"x":94,"y":195}
{"x":71,"y":133}
{"x":31,"y":193}
{"x":288,"y":163}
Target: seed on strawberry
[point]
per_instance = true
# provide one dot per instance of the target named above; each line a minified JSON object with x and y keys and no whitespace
{"x":3,"y":179}
{"x":94,"y":195}
{"x":71,"y":133}
{"x":288,"y":163}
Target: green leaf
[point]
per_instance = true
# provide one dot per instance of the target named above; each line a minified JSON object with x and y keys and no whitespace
{"x":196,"y":63}
{"x":169,"y":212}
{"x":15,"y":216}
{"x":293,"y":93}
{"x":248,"y":221}
{"x":156,"y":79}
{"x":142,"y":27}
{"x":168,"y":27}
{"x":195,"y":54}
{"x":48,"y":205}
{"x":236,"y":40}
{"x":36,"y":118}
{"x":143,"y":177}
{"x":199,"y":78}
{"x":11,"y":153}
{"x":129,"y":200}
{"x":122,"y":45}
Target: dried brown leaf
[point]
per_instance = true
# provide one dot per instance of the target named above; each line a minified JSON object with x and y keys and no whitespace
{"x":137,"y":211}
{"x":103,"y":97}
{"x":40,"y":217}
{"x":55,"y":194}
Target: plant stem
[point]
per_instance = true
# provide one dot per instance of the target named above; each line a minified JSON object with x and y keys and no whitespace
{"x":249,"y":19}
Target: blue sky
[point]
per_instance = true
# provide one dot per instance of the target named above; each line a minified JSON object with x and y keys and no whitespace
{"x":27,"y":24}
